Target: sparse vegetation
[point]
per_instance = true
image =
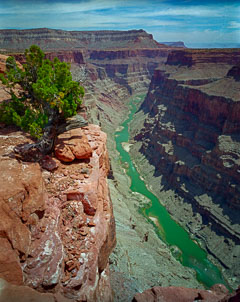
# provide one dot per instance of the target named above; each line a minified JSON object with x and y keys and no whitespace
{"x":43,"y":95}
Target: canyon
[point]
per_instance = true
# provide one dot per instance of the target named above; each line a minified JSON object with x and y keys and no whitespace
{"x":184,"y":142}
{"x":189,"y":138}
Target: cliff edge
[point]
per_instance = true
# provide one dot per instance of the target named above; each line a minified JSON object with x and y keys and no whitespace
{"x":57,"y":226}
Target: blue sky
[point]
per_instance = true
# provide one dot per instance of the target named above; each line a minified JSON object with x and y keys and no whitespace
{"x":191,"y":21}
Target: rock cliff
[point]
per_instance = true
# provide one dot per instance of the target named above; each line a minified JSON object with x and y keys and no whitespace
{"x":190,"y":135}
{"x":126,"y":57}
{"x":57,"y":226}
{"x":191,"y":57}
{"x":53,"y":39}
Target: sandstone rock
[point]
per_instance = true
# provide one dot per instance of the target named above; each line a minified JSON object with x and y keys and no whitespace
{"x":72,"y":144}
{"x":13,"y":293}
{"x":25,"y":194}
{"x":233,"y":297}
{"x":86,"y":269}
{"x":88,"y":199}
{"x":179,"y":294}
{"x":22,"y":200}
{"x":196,"y":56}
{"x":44,"y":266}
{"x":219,"y":288}
{"x":49,"y":163}
{"x":3,"y":59}
{"x":10,"y":268}
{"x":56,"y":244}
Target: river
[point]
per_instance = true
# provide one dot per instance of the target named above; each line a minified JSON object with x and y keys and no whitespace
{"x":184,"y":249}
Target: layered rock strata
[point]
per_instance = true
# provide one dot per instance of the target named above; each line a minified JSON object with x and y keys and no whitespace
{"x":190,"y":57}
{"x":12,"y":39}
{"x":57,"y":226}
{"x":190,"y":137}
{"x":126,"y":57}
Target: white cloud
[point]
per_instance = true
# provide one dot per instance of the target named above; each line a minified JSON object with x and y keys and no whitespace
{"x":197,"y":11}
{"x":85,"y":21}
{"x":21,"y":7}
{"x":55,"y":7}
{"x":206,"y":36}
{"x":234,"y":24}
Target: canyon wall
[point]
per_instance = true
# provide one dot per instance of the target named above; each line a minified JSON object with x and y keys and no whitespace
{"x":12,"y":39}
{"x":190,"y":57}
{"x":190,"y":136}
{"x":126,"y":57}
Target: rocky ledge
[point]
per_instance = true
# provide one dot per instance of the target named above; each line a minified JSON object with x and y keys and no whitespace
{"x":218,"y":293}
{"x":57,"y":226}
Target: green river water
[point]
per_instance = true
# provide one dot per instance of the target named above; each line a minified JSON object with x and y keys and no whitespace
{"x":188,"y":252}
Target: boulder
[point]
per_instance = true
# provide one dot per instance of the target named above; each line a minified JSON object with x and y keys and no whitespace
{"x":72,"y":144}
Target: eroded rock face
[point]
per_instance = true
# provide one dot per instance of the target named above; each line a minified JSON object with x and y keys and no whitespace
{"x":72,"y":144}
{"x":53,"y":240}
{"x":190,"y":136}
{"x":190,"y":57}
{"x":22,"y":202}
{"x":3,"y":59}
{"x":60,"y":39}
{"x":179,"y":294}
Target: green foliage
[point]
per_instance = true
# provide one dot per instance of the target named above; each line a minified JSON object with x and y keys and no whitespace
{"x":45,"y":90}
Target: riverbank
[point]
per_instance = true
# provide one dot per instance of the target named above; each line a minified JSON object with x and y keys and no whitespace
{"x":181,"y":211}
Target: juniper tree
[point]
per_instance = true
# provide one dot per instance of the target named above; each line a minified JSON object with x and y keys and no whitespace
{"x":43,"y":95}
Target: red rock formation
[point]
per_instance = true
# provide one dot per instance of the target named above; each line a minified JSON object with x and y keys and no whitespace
{"x":77,"y":57}
{"x":131,"y":68}
{"x":22,"y":200}
{"x":116,"y":54}
{"x":3,"y":59}
{"x":203,"y":117}
{"x":67,"y":56}
{"x":180,"y":294}
{"x":191,"y":57}
{"x":51,"y":240}
{"x":72,"y":144}
{"x":220,"y":111}
{"x":13,"y":293}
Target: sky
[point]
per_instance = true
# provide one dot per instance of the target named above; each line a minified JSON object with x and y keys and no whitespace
{"x":196,"y":22}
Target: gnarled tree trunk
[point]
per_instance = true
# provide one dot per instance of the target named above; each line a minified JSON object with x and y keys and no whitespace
{"x":36,"y":151}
